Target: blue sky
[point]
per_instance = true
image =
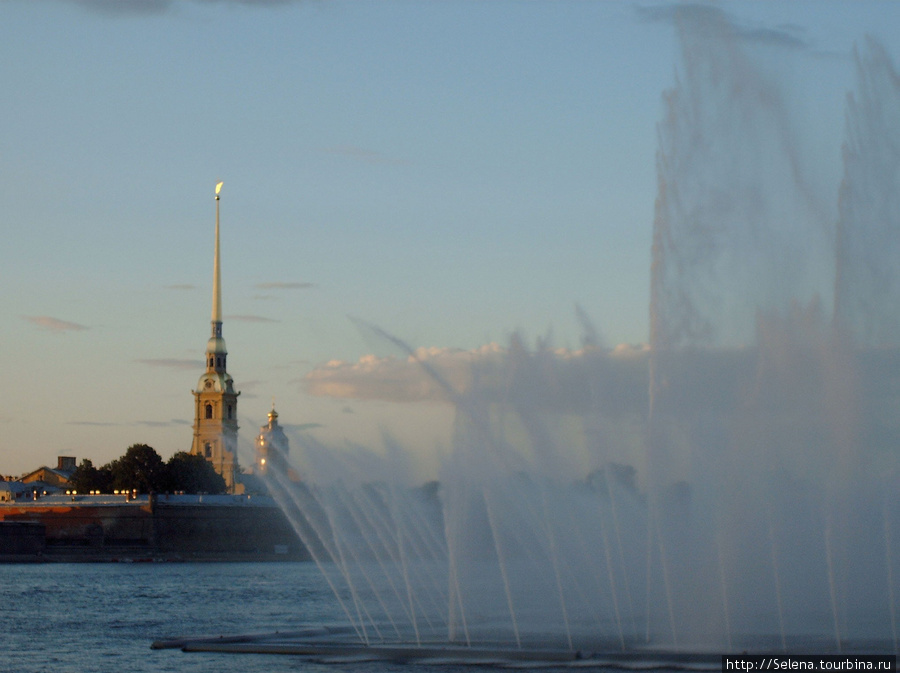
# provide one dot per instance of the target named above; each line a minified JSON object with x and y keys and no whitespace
{"x":450,"y":172}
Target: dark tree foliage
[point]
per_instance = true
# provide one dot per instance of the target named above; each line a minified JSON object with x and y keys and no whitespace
{"x":192,"y":474}
{"x":140,"y":468}
{"x":87,"y":478}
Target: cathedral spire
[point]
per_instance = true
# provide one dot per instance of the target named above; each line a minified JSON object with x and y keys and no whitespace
{"x":215,"y":349}
{"x":217,"y":281}
{"x":215,"y":399}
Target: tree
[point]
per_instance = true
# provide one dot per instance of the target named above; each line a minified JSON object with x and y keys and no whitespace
{"x":87,"y":478}
{"x":192,"y":474}
{"x":140,"y":468}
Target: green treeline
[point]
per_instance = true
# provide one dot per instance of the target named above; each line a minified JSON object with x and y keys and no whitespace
{"x":142,"y":468}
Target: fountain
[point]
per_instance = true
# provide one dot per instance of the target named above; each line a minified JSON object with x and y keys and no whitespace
{"x":731,"y":487}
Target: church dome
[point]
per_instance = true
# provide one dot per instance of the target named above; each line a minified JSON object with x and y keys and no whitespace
{"x":215,"y":382}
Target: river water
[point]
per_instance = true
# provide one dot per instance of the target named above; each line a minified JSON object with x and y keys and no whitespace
{"x":103,"y":617}
{"x":64,"y":617}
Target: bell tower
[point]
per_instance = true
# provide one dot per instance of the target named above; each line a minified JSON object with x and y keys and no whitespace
{"x":215,"y":399}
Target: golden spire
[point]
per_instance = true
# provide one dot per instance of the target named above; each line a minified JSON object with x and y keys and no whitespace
{"x":217,"y":286}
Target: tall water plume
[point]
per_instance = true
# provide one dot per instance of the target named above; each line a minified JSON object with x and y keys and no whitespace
{"x":867,"y":294}
{"x":758,"y":404}
{"x":729,"y":487}
{"x":738,"y":227}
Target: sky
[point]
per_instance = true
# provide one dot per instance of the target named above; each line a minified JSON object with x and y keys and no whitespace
{"x":431,"y":176}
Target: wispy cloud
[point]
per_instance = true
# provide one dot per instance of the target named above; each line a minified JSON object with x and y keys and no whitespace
{"x":150,"y":7}
{"x":284,"y":286}
{"x":302,"y":427}
{"x":249,"y":318}
{"x":54,"y":324}
{"x":162,"y":424}
{"x":172,"y":363}
{"x":146,"y":424}
{"x":102,"y":424}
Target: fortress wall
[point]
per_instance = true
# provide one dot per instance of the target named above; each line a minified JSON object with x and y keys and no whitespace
{"x":150,"y":528}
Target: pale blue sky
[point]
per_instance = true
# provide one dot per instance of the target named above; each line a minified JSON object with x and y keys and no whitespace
{"x":449,"y":171}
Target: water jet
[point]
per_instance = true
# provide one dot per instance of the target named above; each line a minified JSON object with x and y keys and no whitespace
{"x":741,"y":500}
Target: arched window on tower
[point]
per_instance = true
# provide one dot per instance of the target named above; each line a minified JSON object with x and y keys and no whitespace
{"x":207,"y":450}
{"x":230,"y":411}
{"x":209,"y":411}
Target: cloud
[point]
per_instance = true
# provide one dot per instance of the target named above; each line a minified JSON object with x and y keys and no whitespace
{"x":118,"y":7}
{"x":715,"y":21}
{"x":151,"y":7}
{"x":162,"y":424}
{"x":102,"y":424}
{"x":249,"y":318}
{"x":181,"y":286}
{"x":302,"y":427}
{"x":54,"y":324}
{"x":395,"y":379}
{"x":284,"y":286}
{"x":561,"y":379}
{"x":172,"y":363}
{"x":613,"y":382}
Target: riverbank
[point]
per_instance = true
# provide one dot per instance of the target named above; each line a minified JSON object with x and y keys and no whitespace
{"x":149,"y":528}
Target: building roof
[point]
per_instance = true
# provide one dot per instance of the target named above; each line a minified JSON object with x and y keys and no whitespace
{"x":42,"y":472}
